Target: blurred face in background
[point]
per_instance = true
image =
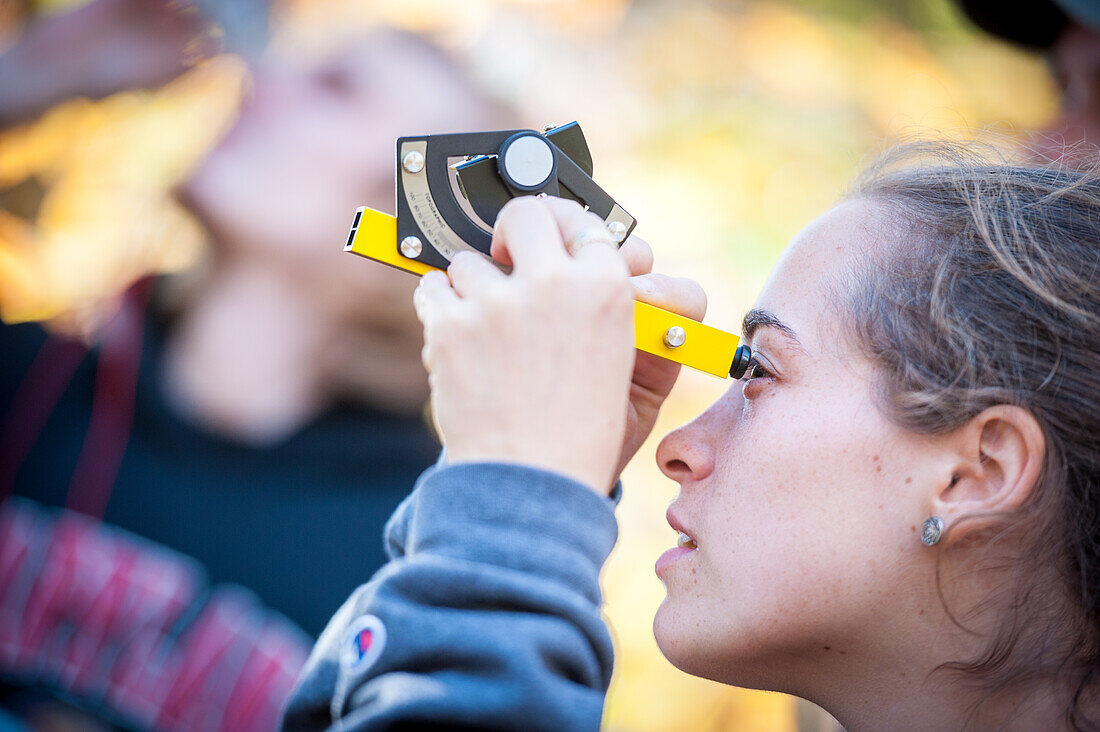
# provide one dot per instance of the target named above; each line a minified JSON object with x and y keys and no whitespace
{"x":802,"y":497}
{"x":313,"y":143}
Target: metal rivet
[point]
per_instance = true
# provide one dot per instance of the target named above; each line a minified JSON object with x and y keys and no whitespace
{"x":618,"y":231}
{"x":411,"y":247}
{"x":675,"y":337}
{"x":413,"y":162}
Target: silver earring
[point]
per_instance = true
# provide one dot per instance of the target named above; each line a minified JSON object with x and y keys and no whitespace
{"x":931,"y":531}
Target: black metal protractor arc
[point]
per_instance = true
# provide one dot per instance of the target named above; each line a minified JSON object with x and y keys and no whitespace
{"x":431,"y":224}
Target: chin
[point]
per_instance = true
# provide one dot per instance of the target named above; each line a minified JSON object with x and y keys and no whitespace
{"x":704,"y":650}
{"x":194,"y":192}
{"x":678,"y":645}
{"x":227,"y":209}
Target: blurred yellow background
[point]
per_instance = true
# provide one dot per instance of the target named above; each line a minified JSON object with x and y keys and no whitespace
{"x":724,"y":127}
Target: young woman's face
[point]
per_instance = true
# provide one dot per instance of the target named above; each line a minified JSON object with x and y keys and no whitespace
{"x":803,"y":498}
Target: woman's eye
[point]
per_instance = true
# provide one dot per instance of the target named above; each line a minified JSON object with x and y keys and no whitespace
{"x":755,"y":371}
{"x":335,"y":80}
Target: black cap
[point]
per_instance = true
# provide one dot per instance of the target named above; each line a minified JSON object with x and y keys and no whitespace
{"x":1032,"y":23}
{"x":741,"y":358}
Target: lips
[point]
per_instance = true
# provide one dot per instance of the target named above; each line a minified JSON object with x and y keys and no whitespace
{"x":685,"y":538}
{"x":686,"y":545}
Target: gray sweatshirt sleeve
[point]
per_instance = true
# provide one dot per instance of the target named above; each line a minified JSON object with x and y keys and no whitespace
{"x":486,"y":617}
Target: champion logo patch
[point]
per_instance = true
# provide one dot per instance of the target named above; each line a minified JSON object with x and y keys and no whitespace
{"x":363,"y":643}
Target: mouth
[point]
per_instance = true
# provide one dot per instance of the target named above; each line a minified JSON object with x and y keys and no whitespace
{"x":683,"y":540}
{"x":686,"y":545}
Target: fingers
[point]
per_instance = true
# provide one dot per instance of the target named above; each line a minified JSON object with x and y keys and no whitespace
{"x":579,"y":228}
{"x":602,"y":258}
{"x":471,"y":273}
{"x":523,"y":230}
{"x":676,"y":294}
{"x":637,"y":255}
{"x":433,"y":297}
{"x":575,"y":223}
{"x":527,"y":236}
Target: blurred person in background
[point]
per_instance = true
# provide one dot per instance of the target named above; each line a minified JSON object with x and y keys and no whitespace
{"x":1068,"y":32}
{"x":183,"y":490}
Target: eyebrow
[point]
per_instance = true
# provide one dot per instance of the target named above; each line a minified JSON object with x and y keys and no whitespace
{"x":757,"y":318}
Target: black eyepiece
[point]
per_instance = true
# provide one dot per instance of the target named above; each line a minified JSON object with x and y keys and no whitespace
{"x":741,"y":358}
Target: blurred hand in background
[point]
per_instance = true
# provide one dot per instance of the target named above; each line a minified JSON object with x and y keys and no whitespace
{"x":100,"y":48}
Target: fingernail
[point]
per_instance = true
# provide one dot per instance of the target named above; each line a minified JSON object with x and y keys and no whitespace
{"x":643,"y":285}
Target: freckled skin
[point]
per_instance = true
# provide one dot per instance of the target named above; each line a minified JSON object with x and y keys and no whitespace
{"x":800,"y":493}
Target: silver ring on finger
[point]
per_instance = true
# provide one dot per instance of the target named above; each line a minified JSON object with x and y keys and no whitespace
{"x":597,"y":234}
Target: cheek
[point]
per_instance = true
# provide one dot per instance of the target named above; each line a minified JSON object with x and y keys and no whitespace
{"x":289,"y":201}
{"x":798,"y":526}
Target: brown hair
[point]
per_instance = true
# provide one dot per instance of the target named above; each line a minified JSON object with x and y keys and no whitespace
{"x":997,"y":301}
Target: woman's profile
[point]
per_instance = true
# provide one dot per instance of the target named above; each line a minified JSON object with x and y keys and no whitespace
{"x":895,"y":514}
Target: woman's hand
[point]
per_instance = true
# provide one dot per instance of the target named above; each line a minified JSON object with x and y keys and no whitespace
{"x":653,"y":376}
{"x":535,"y":367}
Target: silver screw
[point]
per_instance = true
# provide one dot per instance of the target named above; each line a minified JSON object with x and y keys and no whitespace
{"x":413,"y":162}
{"x":618,"y":231}
{"x":675,"y":337}
{"x":411,"y":247}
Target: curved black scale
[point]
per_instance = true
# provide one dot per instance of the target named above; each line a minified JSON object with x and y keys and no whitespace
{"x":481,"y":183}
{"x":439,"y":148}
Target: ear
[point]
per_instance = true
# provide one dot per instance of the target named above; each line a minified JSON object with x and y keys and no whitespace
{"x":999,"y":458}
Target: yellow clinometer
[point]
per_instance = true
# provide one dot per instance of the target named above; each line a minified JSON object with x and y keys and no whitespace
{"x":656,"y":331}
{"x":432,"y":225}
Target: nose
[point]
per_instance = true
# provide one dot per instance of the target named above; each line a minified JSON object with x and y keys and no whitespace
{"x":688,"y":454}
{"x":276,"y":87}
{"x":685,"y":454}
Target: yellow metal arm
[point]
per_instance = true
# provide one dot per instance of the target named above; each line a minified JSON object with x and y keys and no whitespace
{"x":701,"y":346}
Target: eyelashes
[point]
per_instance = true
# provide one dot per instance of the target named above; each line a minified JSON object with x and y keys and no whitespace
{"x":755,"y":370}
